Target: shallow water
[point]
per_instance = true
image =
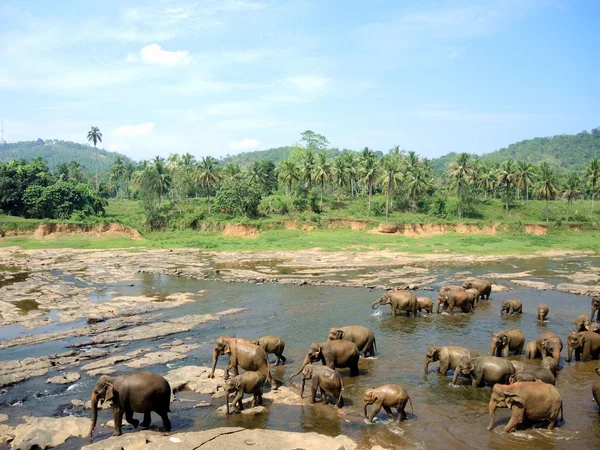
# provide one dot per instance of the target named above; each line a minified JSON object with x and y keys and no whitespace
{"x":444,"y":416}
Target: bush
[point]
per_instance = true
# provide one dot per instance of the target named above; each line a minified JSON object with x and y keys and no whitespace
{"x":274,"y":204}
{"x":314,"y":200}
{"x":300,"y":204}
{"x":239,"y":198}
{"x":378,"y":207}
{"x":61,"y":199}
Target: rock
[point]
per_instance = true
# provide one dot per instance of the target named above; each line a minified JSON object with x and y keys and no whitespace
{"x":534,"y":284}
{"x":219,"y":394}
{"x":124,"y":426}
{"x":579,"y":289}
{"x":256,"y":410}
{"x":195,"y":378}
{"x":112,"y":360}
{"x":77,"y":402}
{"x":150,"y":359}
{"x":47,"y":432}
{"x":202,"y":405}
{"x":101,"y":371}
{"x":285,"y":396}
{"x":65,"y":378}
{"x":500,"y":288}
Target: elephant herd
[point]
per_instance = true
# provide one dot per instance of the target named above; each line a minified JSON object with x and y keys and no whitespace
{"x":527,"y":390}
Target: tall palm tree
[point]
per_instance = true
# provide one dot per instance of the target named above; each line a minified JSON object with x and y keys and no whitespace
{"x":391,"y":176}
{"x":419,"y":181}
{"x":231,"y":171}
{"x":76,"y":171}
{"x":545,"y":186}
{"x":117,"y":173}
{"x":62,"y":170}
{"x":352,"y":167}
{"x":460,"y":171}
{"x":307,"y":167}
{"x":160,"y":178}
{"x":485,"y":181}
{"x":339,"y":171}
{"x":411,"y":161}
{"x":524,"y":177}
{"x":592,"y":173}
{"x":287,"y":172}
{"x":95,"y":136}
{"x":256,"y":173}
{"x":368,"y":168}
{"x":322,"y":172}
{"x":207,"y":175}
{"x":571,"y":190}
{"x":506,"y":178}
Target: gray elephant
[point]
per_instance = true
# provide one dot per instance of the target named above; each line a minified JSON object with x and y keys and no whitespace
{"x":549,"y":344}
{"x":425,"y":304}
{"x":325,"y":380}
{"x":596,"y":388}
{"x":531,"y":350}
{"x":483,"y":286}
{"x":586,"y":345}
{"x":473,"y":296}
{"x":594,"y":327}
{"x":551,"y":364}
{"x":512,"y":306}
{"x":454,"y":297}
{"x":532,"y":374}
{"x":532,"y":400}
{"x":506,"y":341}
{"x":138,"y":392}
{"x":333,"y":354}
{"x":272,"y":345}
{"x":482,"y":370}
{"x":542,"y":311}
{"x":399,"y":300}
{"x":449,"y":357}
{"x":582,"y":323}
{"x":388,"y":396}
{"x":246,"y":383}
{"x":595,"y":308}
{"x":244,"y":353}
{"x":362,"y":336}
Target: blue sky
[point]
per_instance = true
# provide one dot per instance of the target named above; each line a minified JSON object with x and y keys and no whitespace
{"x":222,"y":76}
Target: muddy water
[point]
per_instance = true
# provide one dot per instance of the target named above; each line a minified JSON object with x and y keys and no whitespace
{"x":445,"y":416}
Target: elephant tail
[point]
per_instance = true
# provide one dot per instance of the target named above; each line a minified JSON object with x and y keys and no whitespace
{"x":412,"y":411}
{"x":375,"y":345}
{"x":562,"y":419}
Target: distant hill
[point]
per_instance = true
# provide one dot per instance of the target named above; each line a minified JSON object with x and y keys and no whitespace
{"x":272,"y":154}
{"x":55,"y":152}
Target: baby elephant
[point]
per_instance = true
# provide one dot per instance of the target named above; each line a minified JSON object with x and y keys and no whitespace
{"x":323,"y":379}
{"x":388,"y":396}
{"x":425,"y":304}
{"x":246,"y":383}
{"x":551,"y":364}
{"x":273,"y":345}
{"x":582,"y":323}
{"x":532,"y":374}
{"x":512,"y":306}
{"x":542,"y":311}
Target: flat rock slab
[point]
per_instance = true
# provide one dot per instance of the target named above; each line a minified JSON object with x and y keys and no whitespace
{"x":534,"y":284}
{"x":46,"y":432}
{"x":64,"y":378}
{"x":195,"y":378}
{"x":225,"y":438}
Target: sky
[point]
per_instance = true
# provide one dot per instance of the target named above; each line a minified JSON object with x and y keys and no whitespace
{"x":218,"y":77}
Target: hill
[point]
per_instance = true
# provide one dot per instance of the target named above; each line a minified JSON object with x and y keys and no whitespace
{"x":272,"y":154}
{"x":55,"y":152}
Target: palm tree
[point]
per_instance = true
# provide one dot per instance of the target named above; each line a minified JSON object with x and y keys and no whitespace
{"x":352,"y":165}
{"x":117,"y":173}
{"x":390,"y":177}
{"x":485,"y":181}
{"x":460,"y":171}
{"x":231,"y":171}
{"x":545,"y":186}
{"x":592,"y":173}
{"x":322,"y":172}
{"x":571,"y":190}
{"x":307,"y":167}
{"x":368,"y":166}
{"x":256,"y":173}
{"x":95,"y":136}
{"x":506,"y":177}
{"x":287,"y":172}
{"x":339,"y":171}
{"x":62,"y":170}
{"x":76,"y":171}
{"x":411,"y":160}
{"x":161,"y":178}
{"x":524,"y":176}
{"x":207,"y":175}
{"x":419,"y":181}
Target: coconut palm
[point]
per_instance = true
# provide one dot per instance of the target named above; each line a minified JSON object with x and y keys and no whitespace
{"x":368,"y":170}
{"x":231,"y":171}
{"x":592,"y":173}
{"x":339,"y":170}
{"x":571,"y":190}
{"x":352,"y":169}
{"x":117,"y":173}
{"x":545,"y":187}
{"x":418,"y":182}
{"x":524,"y":177}
{"x":76,"y":171}
{"x":390,"y":177}
{"x":486,"y":180}
{"x":460,"y":172}
{"x":307,"y":167}
{"x":207,"y":175}
{"x":161,"y":178}
{"x":95,"y":136}
{"x":506,"y":177}
{"x":287,"y":173}
{"x":322,"y":172}
{"x":256,"y":173}
{"x":62,"y":170}
{"x":411,"y":161}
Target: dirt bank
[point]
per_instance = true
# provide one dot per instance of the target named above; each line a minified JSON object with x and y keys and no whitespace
{"x":240,"y":230}
{"x":46,"y":230}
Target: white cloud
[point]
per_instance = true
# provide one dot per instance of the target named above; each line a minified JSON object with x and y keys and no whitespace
{"x":244,"y":144}
{"x":134,"y":130}
{"x":154,"y":54}
{"x":309,"y":83}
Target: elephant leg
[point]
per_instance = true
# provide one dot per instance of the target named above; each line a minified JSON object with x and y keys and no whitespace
{"x":354,"y":370}
{"x":401,"y":412}
{"x":443,"y":368}
{"x":389,"y":412}
{"x":165,"y":419}
{"x":253,"y":404}
{"x":237,"y":401}
{"x":515,"y":419}
{"x":118,"y":420}
{"x":147,"y":420}
{"x":324,"y":396}
{"x":477,"y":380}
{"x":393,"y":311}
{"x":129,"y":418}
{"x":375,"y":410}
{"x":313,"y":389}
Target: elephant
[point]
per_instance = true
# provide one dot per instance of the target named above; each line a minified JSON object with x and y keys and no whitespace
{"x":518,"y":365}
{"x":549,"y":344}
{"x":595,"y":308}
{"x":426,"y":304}
{"x":483,"y":286}
{"x":594,"y":328}
{"x":586,"y":344}
{"x":551,"y":364}
{"x":484,"y":369}
{"x":449,"y":357}
{"x":542,"y":311}
{"x":596,"y":388}
{"x":399,"y":301}
{"x":141,"y":392}
{"x":473,"y":296}
{"x":272,"y":345}
{"x":506,"y":341}
{"x":532,"y":374}
{"x":363,"y":337}
{"x":338,"y":353}
{"x":454,"y":296}
{"x":388,"y":396}
{"x":531,"y":350}
{"x":533,"y":400}
{"x":512,"y":306}
{"x":244,"y":353}
{"x":246,"y":383}
{"x":582,"y":323}
{"x":323,"y":379}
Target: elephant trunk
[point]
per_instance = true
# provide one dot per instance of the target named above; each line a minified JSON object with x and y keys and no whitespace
{"x":376,"y":304}
{"x":426,"y":365}
{"x":569,"y":356}
{"x":439,"y":304}
{"x":493,"y":349}
{"x":214,"y":363}
{"x":304,"y":364}
{"x":302,"y":390}
{"x":492,"y":415}
{"x":556,"y":354}
{"x":366,"y":415}
{"x":94,"y":412}
{"x":227,"y":401}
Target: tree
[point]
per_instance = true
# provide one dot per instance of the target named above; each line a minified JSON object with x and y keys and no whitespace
{"x":313,"y":141}
{"x":239,"y":198}
{"x":95,"y":136}
{"x":524,"y":177}
{"x":208,"y":176}
{"x":231,"y":171}
{"x":307,"y":167}
{"x":117,"y":173}
{"x":287,"y":173}
{"x":571,"y":190}
{"x":368,"y":168}
{"x":506,"y":177}
{"x":62,"y":171}
{"x":460,"y":171}
{"x":352,"y":169}
{"x":76,"y":171}
{"x":545,"y":186}
{"x":390,"y":177}
{"x":322,"y":172}
{"x":419,"y":181}
{"x":592,"y":173}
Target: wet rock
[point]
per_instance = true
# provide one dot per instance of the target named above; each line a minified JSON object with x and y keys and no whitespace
{"x":534,"y":284}
{"x":219,"y":394}
{"x":76,"y":402}
{"x":500,"y":288}
{"x":284,"y":396}
{"x":195,"y":378}
{"x":65,"y":378}
{"x":150,"y":359}
{"x":202,"y":405}
{"x":256,"y":410}
{"x":3,"y":418}
{"x":47,"y":432}
{"x":112,"y":360}
{"x":124,"y":426}
{"x":579,"y":289}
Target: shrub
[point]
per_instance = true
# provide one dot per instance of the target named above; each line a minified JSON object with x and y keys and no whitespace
{"x":378,"y":207}
{"x":300,"y":204}
{"x":239,"y":198}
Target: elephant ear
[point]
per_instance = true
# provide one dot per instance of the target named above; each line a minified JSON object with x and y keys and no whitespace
{"x":226,"y":348}
{"x":308,"y":372}
{"x":339,"y":334}
{"x":109,"y":392}
{"x":513,"y":399}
